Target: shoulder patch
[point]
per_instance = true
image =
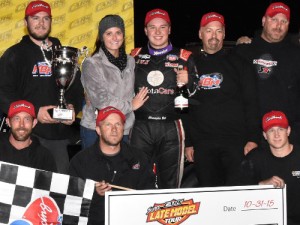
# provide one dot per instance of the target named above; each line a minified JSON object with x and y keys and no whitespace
{"x":184,"y":54}
{"x":134,"y":52}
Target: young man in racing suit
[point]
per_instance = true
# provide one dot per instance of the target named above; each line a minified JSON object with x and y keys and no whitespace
{"x":158,"y":133}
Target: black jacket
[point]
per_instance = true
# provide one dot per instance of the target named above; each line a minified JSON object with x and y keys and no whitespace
{"x":227,"y":106}
{"x":24,"y":74}
{"x":124,"y":169}
{"x":35,"y":155}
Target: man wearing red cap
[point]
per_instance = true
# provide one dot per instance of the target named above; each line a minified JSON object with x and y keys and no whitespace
{"x":158,"y":132}
{"x":278,"y":164}
{"x":19,"y":147}
{"x":275,"y":60}
{"x":25,"y":73}
{"x":110,"y":162}
{"x":224,"y":126}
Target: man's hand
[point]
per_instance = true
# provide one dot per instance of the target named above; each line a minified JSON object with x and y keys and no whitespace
{"x":182,"y":76}
{"x":249,"y":146}
{"x":244,"y":40}
{"x":276,"y":181}
{"x":140,"y":98}
{"x":189,"y":154}
{"x":43,"y":115}
{"x":102,"y":187}
{"x":69,"y":122}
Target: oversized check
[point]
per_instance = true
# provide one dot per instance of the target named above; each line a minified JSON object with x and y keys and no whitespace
{"x":237,"y":205}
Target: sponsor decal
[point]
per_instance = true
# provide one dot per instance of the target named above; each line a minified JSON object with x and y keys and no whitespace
{"x":173,"y":65}
{"x":57,"y":4}
{"x":264,"y":65}
{"x":184,"y":54}
{"x":103,"y":5}
{"x":172,"y":57}
{"x":127,"y":5}
{"x":5,"y":19}
{"x":5,"y":3}
{"x":296,"y":174}
{"x":155,"y":78}
{"x":172,"y":212}
{"x":79,"y":4}
{"x":80,"y":21}
{"x":81,"y":38}
{"x":161,"y":91}
{"x":42,"y":69}
{"x":142,"y":62}
{"x":6,"y":35}
{"x":59,"y":19}
{"x":43,"y":210}
{"x":210,"y":81}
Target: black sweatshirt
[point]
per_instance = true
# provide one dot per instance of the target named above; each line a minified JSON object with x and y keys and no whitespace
{"x":227,"y":106}
{"x":261,"y":164}
{"x":24,"y":74}
{"x":35,"y":155}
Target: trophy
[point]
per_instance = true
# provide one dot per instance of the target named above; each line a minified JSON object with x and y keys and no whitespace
{"x":64,"y":67}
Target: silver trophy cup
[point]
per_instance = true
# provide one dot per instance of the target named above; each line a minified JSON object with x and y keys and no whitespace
{"x":64,"y":67}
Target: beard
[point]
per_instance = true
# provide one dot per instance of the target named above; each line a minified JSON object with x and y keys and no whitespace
{"x":38,"y":37}
{"x":20,"y":136}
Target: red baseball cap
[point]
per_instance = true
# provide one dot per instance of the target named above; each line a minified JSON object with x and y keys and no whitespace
{"x":157,"y":13}
{"x":274,"y":118}
{"x":278,"y":7}
{"x":21,"y":106}
{"x":35,"y":7}
{"x":210,"y":17}
{"x":105,"y":112}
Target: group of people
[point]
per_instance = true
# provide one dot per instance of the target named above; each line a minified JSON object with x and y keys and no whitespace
{"x":243,"y":106}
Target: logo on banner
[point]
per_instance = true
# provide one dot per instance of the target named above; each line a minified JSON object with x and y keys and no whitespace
{"x":172,"y":212}
{"x":43,"y":210}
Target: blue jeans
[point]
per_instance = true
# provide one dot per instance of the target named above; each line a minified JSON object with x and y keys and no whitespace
{"x":88,"y":137}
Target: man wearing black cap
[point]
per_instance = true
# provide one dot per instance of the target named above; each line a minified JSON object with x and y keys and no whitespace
{"x":25,"y":73}
{"x":110,"y":162}
{"x":275,"y":60}
{"x":276,"y":165}
{"x":19,"y":147}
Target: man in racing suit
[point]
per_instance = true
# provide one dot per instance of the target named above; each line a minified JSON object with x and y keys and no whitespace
{"x":158,"y":133}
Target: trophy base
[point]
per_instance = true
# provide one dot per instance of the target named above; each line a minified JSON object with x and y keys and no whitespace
{"x":61,"y":114}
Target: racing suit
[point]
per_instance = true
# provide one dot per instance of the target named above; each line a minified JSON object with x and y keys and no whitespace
{"x":158,"y":134}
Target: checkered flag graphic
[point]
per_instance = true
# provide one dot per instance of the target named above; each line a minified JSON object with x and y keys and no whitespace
{"x":43,"y":197}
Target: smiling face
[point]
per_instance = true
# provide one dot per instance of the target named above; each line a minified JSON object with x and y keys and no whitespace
{"x":21,"y":126}
{"x":113,"y":39}
{"x":39,"y":26}
{"x":157,"y":31}
{"x":277,"y":137}
{"x":212,"y":36}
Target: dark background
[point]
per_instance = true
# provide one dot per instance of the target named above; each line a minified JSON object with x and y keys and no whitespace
{"x":241,"y":17}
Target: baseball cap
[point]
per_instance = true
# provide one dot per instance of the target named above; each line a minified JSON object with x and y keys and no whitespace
{"x":278,"y":7}
{"x":35,"y":7}
{"x":157,"y":13}
{"x":21,"y":106}
{"x":105,"y":112}
{"x":210,"y":17}
{"x":274,"y":118}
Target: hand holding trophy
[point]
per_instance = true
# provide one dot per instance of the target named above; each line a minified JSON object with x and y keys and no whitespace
{"x":64,"y":67}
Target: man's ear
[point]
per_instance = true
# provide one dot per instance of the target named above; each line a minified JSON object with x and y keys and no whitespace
{"x":289,"y":129}
{"x":34,"y":122}
{"x":265,"y":135}
{"x":98,"y":130}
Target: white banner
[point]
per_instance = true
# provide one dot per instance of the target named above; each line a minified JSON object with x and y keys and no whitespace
{"x":239,"y":205}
